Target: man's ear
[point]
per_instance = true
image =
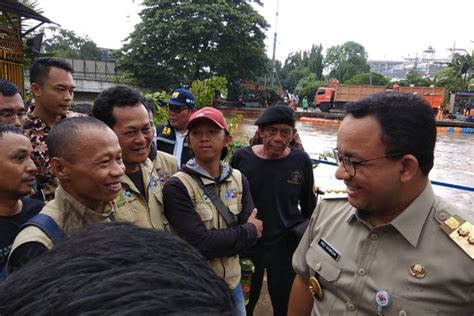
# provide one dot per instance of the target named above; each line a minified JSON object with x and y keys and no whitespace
{"x":35,"y":89}
{"x":228,"y":140}
{"x":59,"y":168}
{"x":260,"y":130}
{"x":409,"y":168}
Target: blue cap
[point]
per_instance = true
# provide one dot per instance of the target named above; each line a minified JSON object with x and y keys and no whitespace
{"x":182,"y":97}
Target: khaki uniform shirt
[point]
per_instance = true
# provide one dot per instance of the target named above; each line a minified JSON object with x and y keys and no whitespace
{"x":353,"y":261}
{"x":227,"y":268}
{"x":68,"y":213}
{"x":146,"y":211}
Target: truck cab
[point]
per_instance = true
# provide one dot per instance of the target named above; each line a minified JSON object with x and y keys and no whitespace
{"x":324,"y":98}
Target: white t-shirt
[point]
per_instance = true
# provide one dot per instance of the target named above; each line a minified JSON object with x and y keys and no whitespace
{"x":178,"y":147}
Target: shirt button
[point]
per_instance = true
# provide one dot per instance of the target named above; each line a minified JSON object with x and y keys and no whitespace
{"x":350,"y":306}
{"x":402,"y":313}
{"x":318,"y":266}
{"x":374,"y":236}
{"x":361,"y":272}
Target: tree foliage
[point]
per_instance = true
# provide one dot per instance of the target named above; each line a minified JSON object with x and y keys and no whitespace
{"x":414,"y":78}
{"x":463,"y":66}
{"x":366,"y":78}
{"x":180,"y":41}
{"x":346,"y":60}
{"x":205,"y":90}
{"x":65,"y":43}
{"x":307,"y":86}
{"x":300,"y":65}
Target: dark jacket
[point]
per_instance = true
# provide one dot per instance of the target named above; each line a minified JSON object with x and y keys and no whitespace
{"x":212,"y":243}
{"x":166,"y":139}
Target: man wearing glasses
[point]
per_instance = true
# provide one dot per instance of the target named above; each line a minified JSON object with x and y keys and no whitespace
{"x":12,"y":108}
{"x":171,"y":136}
{"x":392,"y":247}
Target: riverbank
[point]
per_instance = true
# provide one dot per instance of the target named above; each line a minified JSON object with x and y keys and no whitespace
{"x":336,"y":115}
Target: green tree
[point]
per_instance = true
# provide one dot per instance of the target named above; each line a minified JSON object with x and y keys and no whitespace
{"x":447,"y":78}
{"x":463,"y":66}
{"x":414,"y":78}
{"x":302,"y":64}
{"x":205,"y":90}
{"x":346,"y":60}
{"x":181,"y":41}
{"x":366,"y":78}
{"x":307,"y":86}
{"x":65,"y":43}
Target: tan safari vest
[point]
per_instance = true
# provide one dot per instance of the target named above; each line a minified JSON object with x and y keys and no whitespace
{"x":69,"y":214}
{"x":227,"y":268}
{"x":147,"y":211}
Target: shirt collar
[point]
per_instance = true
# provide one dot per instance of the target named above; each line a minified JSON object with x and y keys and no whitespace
{"x":65,"y":201}
{"x":410,"y":222}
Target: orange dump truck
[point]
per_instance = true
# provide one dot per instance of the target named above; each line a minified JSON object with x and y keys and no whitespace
{"x":336,"y":95}
{"x":433,"y":95}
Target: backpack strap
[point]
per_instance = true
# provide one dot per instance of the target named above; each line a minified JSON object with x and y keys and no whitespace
{"x":47,"y":224}
{"x":211,"y":192}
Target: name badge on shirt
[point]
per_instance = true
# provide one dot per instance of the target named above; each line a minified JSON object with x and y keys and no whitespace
{"x":329,"y":249}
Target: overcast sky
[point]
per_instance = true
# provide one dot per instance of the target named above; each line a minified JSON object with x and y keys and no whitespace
{"x":387,"y":29}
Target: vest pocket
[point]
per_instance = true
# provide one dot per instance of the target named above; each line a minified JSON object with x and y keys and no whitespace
{"x":205,"y":211}
{"x":234,"y":209}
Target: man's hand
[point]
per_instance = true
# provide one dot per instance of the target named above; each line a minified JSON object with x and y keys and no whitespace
{"x":258,"y":223}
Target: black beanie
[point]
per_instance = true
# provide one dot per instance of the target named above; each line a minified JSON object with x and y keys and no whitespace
{"x":277,"y":114}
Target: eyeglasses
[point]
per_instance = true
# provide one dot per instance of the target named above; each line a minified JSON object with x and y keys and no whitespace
{"x":11,"y":117}
{"x":351,"y":166}
{"x":177,"y":109}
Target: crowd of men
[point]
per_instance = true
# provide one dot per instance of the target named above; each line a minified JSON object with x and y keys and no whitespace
{"x":120,"y":216}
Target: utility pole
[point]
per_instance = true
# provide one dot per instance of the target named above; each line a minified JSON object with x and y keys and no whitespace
{"x":272,"y":81}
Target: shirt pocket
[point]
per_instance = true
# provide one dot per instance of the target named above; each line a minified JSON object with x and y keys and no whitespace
{"x":328,"y":272}
{"x":127,"y":211}
{"x":323,"y":264}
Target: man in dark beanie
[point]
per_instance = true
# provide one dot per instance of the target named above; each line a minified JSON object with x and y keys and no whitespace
{"x":281,"y":178}
{"x":295,"y":141}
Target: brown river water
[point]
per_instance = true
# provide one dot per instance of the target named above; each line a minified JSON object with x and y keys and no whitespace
{"x":454,"y":158}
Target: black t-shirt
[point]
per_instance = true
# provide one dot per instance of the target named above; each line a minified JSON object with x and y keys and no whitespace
{"x":137,"y":179}
{"x":282,"y":189}
{"x":10,"y":226}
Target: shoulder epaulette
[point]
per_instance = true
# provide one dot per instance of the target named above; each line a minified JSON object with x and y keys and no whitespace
{"x":334,"y":194}
{"x":461,"y":232}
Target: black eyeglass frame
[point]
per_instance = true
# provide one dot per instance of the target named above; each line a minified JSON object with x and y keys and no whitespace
{"x":345,"y":161}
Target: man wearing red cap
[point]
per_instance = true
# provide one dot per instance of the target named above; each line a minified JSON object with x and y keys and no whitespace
{"x":209,"y":204}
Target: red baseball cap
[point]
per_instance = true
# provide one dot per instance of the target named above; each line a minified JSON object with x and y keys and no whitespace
{"x":210,"y":114}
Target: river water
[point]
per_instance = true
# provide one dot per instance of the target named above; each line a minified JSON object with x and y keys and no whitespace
{"x":454,"y":156}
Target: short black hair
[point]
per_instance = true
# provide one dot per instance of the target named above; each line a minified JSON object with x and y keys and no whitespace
{"x":7,"y":88}
{"x":117,"y":269}
{"x":119,"y":96}
{"x":63,"y":137}
{"x":149,"y":104}
{"x":407,"y":122}
{"x":9,"y":128}
{"x":40,"y":69}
